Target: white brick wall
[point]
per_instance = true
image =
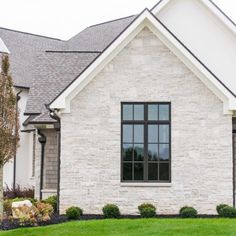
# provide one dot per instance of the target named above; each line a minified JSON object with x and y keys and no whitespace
{"x":201,"y":135}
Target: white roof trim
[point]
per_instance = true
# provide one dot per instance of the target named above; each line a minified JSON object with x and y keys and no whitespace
{"x":209,"y":4}
{"x":3,"y":47}
{"x":146,"y":19}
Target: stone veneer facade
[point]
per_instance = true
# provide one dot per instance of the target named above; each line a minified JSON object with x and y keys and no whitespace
{"x":146,"y":70}
{"x":50,"y":164}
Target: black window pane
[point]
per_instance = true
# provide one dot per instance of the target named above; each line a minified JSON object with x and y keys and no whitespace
{"x":164,"y":133}
{"x":127,"y":133}
{"x":139,"y":133}
{"x":138,"y":171}
{"x":164,"y":152}
{"x":138,"y":152}
{"x":152,"y":152}
{"x":138,"y":112}
{"x":152,"y":112}
{"x":153,"y":133}
{"x":127,"y":152}
{"x":127,"y":171}
{"x":127,"y":112}
{"x":164,"y":172}
{"x":152,"y":171}
{"x":164,"y":112}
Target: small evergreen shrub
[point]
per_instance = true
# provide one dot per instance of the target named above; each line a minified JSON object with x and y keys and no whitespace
{"x":147,"y":210}
{"x":74,"y":213}
{"x":188,"y":212}
{"x":111,"y":211}
{"x":219,"y":207}
{"x":227,"y":211}
{"x":52,"y":200}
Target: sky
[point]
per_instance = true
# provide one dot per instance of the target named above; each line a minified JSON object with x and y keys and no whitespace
{"x":65,"y":18}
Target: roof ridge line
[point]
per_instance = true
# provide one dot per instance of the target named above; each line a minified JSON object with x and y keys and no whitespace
{"x":67,"y":51}
{"x":106,"y":22}
{"x":38,"y":35}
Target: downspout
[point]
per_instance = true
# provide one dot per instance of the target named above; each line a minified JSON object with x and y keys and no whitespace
{"x":233,"y":139}
{"x":16,"y":128}
{"x":54,"y":115}
{"x":42,"y":139}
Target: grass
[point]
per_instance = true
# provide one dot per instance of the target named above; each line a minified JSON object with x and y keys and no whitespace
{"x":159,"y":227}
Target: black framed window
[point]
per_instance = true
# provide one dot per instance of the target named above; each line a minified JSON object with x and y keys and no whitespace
{"x":146,"y":142}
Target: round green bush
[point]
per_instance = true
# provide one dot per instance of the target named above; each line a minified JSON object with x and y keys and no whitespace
{"x":227,"y":211}
{"x":74,"y":213}
{"x":219,"y":207}
{"x":111,"y":211}
{"x":182,"y":208}
{"x":188,"y":212}
{"x":147,"y":210}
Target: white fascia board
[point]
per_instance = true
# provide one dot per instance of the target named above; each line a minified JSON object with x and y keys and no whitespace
{"x":209,"y":5}
{"x":3,"y":47}
{"x":160,"y":6}
{"x":219,"y":15}
{"x":146,"y":19}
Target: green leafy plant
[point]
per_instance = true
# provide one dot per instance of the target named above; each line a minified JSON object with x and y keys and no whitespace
{"x":111,"y":211}
{"x":219,"y":207}
{"x":52,"y":200}
{"x":147,"y":210}
{"x":227,"y":211}
{"x":74,"y":213}
{"x":188,"y":212}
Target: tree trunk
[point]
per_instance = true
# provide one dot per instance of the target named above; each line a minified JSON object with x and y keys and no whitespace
{"x":1,"y":192}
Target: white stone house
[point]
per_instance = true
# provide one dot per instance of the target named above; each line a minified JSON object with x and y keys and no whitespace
{"x":139,"y":109}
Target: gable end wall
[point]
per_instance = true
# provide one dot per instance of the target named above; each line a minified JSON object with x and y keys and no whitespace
{"x":145,"y":71}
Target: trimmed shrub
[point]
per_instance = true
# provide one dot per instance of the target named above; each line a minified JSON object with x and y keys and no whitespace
{"x":219,"y":207}
{"x":147,"y":210}
{"x":111,"y":211}
{"x":182,"y":208}
{"x":188,"y":212}
{"x":227,"y":211}
{"x":74,"y":213}
{"x":52,"y":200}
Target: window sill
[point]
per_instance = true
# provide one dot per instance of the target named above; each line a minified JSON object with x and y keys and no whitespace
{"x":146,"y":185}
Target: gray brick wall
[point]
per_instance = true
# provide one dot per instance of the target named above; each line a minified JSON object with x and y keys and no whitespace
{"x":146,"y":70}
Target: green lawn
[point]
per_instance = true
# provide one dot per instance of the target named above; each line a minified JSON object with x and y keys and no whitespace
{"x":170,"y":227}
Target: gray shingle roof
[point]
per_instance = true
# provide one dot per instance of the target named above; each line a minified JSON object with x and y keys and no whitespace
{"x":53,"y":72}
{"x":43,"y":118}
{"x":98,"y":37}
{"x":23,"y":49}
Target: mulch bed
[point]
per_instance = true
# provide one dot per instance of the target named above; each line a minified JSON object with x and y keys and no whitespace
{"x":55,"y":219}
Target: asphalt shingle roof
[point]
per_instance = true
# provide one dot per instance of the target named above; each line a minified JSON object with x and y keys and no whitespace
{"x":98,"y":37}
{"x":53,"y":72}
{"x":24,"y":48}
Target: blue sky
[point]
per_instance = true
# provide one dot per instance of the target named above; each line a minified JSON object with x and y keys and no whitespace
{"x":64,"y":18}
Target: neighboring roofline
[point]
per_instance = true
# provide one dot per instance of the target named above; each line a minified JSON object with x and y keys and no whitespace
{"x":215,"y":9}
{"x":65,"y":51}
{"x":146,"y":18}
{"x":37,"y":35}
